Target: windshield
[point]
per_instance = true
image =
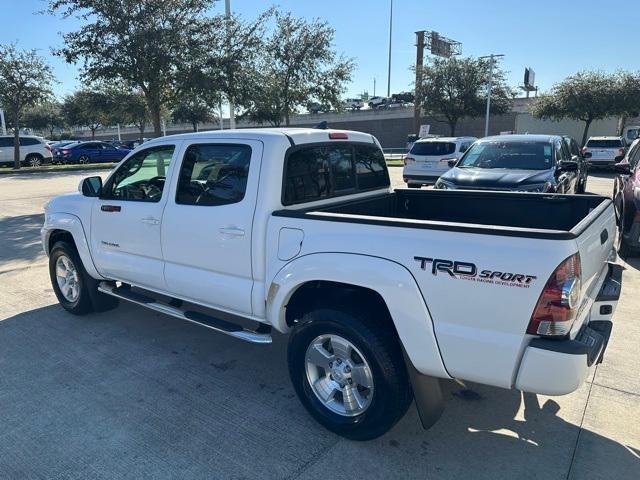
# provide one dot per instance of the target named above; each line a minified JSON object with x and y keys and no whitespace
{"x":515,"y":155}
{"x":604,"y":143}
{"x":433,"y":148}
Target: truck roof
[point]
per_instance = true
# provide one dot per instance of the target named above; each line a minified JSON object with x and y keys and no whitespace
{"x":521,"y":138}
{"x":296,"y":136}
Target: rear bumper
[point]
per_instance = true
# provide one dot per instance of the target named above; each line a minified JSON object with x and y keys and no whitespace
{"x":421,"y":179}
{"x":558,"y":367}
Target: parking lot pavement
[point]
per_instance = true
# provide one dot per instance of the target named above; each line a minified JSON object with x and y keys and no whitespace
{"x":135,"y":394}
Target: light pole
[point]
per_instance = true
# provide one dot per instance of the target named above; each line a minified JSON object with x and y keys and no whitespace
{"x":491,"y":58}
{"x":389,"y":63}
{"x":232,"y":114}
{"x":4,"y":125}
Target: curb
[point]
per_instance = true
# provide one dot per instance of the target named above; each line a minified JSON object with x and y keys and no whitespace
{"x":79,"y":168}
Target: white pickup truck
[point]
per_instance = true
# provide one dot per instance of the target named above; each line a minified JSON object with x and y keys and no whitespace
{"x":382,"y":292}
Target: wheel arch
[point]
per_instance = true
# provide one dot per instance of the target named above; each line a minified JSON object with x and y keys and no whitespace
{"x":328,"y":277}
{"x":67,"y":227}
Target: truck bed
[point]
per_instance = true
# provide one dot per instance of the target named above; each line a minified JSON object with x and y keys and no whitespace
{"x":521,"y":214}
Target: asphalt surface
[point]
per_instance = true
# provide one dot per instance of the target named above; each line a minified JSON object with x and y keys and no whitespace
{"x":135,"y":394}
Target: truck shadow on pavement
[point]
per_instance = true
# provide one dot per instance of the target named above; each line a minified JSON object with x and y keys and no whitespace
{"x":141,"y":395}
{"x":20,"y":238}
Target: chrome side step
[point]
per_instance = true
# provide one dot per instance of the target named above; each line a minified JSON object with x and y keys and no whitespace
{"x":202,"y":319}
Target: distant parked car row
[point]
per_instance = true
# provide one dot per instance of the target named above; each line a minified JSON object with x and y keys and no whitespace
{"x":88,"y":152}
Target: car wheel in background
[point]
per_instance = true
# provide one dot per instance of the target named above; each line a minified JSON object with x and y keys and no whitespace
{"x":414,"y":185}
{"x":624,"y":249}
{"x":84,"y":159}
{"x":33,"y":160}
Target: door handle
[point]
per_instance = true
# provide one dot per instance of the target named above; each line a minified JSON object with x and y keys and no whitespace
{"x":110,"y":208}
{"x":151,"y":221}
{"x":232,"y":231}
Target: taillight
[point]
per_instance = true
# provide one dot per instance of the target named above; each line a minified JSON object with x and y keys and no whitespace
{"x":408,"y":160}
{"x":338,"y":136}
{"x":65,"y":151}
{"x":557,"y":307}
{"x":48,"y":147}
{"x":621,"y":152}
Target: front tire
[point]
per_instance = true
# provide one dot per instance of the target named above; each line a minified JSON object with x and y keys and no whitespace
{"x":348,"y":371}
{"x":33,"y":160}
{"x":75,"y":289}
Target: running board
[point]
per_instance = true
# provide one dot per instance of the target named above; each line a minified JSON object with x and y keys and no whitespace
{"x":202,"y":319}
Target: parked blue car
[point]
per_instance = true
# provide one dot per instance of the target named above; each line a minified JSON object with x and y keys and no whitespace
{"x":89,"y":152}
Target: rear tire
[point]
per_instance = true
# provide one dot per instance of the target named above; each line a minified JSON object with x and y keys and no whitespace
{"x":624,"y":249}
{"x":414,"y":185}
{"x":84,"y":159}
{"x":75,"y":289}
{"x":374,"y":345}
{"x":582,"y":186}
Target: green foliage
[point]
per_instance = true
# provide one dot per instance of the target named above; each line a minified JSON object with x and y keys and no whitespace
{"x":588,"y":96}
{"x":45,"y":117}
{"x":87,"y":108}
{"x":457,"y":88}
{"x":194,"y":111}
{"x":25,"y":81}
{"x":140,"y":43}
{"x":298,"y":65}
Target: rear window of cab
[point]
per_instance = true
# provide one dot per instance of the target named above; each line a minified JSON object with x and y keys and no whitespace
{"x":433,"y":148}
{"x":318,"y":172}
{"x":615,"y":143}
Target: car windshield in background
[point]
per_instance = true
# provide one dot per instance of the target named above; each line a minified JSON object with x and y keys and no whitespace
{"x":514,"y":155}
{"x":433,"y":148}
{"x":604,"y":144}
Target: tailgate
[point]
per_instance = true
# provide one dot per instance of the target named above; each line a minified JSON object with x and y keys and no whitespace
{"x":595,"y":241}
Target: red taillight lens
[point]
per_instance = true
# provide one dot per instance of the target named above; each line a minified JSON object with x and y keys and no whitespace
{"x":338,"y":136}
{"x":621,"y":152}
{"x":48,"y":147}
{"x":65,"y":151}
{"x":408,"y":160}
{"x":558,"y":304}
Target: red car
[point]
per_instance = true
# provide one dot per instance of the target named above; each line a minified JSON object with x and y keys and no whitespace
{"x":626,"y":198}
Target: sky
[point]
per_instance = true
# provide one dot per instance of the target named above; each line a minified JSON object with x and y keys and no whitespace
{"x":555,"y":38}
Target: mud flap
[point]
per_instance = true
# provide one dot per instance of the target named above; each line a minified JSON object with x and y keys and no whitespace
{"x":427,"y":394}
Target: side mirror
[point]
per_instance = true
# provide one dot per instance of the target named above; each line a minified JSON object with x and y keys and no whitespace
{"x":587,"y":154}
{"x":91,"y":187}
{"x":452,"y":163}
{"x":568,"y":166}
{"x":623,"y":168}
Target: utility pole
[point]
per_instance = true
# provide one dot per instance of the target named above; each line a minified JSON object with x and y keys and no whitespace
{"x":374,"y":86}
{"x":389,"y":63}
{"x":232,"y":114}
{"x":417,"y":105}
{"x":492,"y":59}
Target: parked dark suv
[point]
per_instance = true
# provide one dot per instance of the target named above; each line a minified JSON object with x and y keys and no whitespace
{"x":626,"y":198}
{"x":529,"y":163}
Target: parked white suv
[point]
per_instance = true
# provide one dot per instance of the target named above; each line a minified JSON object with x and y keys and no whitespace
{"x":604,"y":151}
{"x":430,"y":157}
{"x":34,"y":151}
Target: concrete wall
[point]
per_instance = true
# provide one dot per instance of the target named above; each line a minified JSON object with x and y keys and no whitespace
{"x":526,"y":123}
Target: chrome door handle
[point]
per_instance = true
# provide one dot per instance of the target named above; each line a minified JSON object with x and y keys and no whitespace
{"x":232,"y":231}
{"x":151,"y":221}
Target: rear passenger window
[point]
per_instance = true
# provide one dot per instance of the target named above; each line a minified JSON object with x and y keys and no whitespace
{"x":325,"y":171}
{"x":213,"y":174}
{"x":28,"y":142}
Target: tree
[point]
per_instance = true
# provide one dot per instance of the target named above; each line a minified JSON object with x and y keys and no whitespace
{"x":192,"y":110}
{"x":456,"y":88}
{"x":141,"y":43}
{"x":87,"y":108}
{"x":585,"y":96}
{"x":25,"y":81}
{"x":298,"y":65}
{"x":46,"y":116}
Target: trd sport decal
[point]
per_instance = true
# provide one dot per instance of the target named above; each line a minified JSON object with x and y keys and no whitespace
{"x":469,"y":271}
